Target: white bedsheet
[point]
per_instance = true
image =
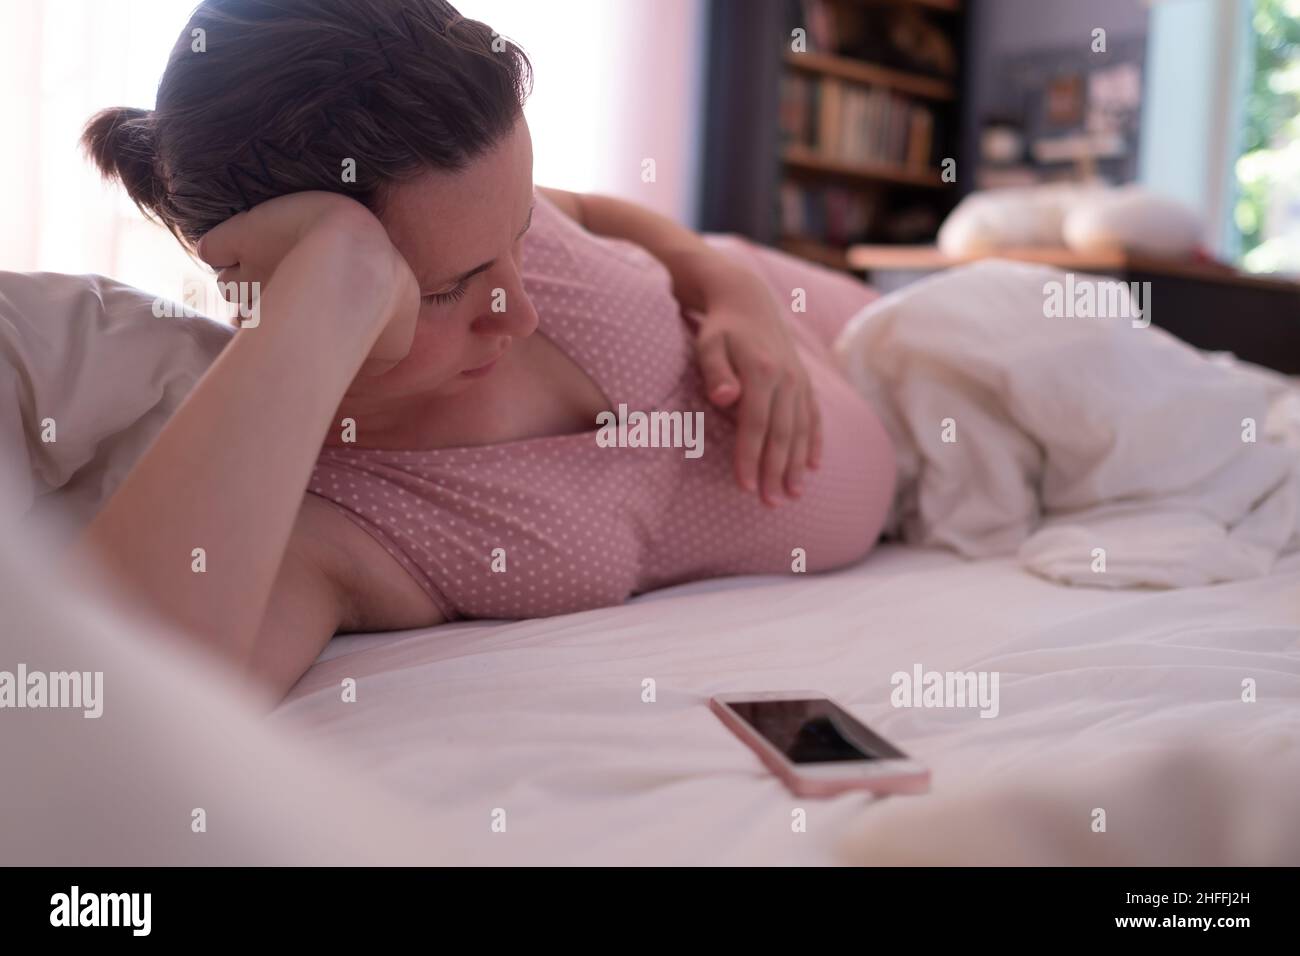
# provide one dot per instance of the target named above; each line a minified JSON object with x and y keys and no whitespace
{"x":544,"y":718}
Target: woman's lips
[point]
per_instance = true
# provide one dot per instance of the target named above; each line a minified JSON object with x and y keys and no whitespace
{"x":482,"y":369}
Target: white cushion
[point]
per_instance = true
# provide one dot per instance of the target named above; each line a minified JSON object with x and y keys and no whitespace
{"x":1086,"y":217}
{"x":88,"y":353}
{"x":1134,"y":219}
{"x":985,"y":222}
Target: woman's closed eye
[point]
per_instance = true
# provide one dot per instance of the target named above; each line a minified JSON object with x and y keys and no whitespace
{"x":442,"y":298}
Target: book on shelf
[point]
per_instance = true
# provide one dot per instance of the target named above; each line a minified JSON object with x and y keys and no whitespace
{"x":899,"y":36}
{"x":795,"y":98}
{"x":829,"y":214}
{"x":852,"y":123}
{"x":819,"y":24}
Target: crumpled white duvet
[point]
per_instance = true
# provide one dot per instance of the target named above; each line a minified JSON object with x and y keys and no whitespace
{"x":1103,"y":452}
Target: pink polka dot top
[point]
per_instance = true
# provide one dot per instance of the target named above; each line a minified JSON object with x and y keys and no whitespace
{"x":558,"y":524}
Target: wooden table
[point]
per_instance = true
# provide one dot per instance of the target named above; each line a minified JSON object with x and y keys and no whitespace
{"x":1210,"y":305}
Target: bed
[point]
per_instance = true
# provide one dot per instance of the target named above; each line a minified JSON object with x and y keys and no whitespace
{"x":1175,"y":711}
{"x":545,"y":719}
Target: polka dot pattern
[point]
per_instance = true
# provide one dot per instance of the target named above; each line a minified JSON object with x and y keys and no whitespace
{"x":580,"y":526}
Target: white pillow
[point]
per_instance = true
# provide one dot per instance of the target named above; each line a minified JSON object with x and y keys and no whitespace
{"x":1083,"y":216}
{"x":1134,"y":219}
{"x":985,"y":222}
{"x":87,"y":354}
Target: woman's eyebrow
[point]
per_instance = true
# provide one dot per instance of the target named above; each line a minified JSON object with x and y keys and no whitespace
{"x":483,"y":266}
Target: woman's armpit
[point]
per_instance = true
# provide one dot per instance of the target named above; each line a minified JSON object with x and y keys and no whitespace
{"x":377,"y":592}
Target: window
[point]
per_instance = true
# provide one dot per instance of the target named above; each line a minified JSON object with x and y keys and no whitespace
{"x":1267,"y":212}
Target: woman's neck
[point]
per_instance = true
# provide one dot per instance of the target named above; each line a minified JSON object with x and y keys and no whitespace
{"x":385,"y":422}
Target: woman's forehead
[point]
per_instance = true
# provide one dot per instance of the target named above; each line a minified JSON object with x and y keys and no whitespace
{"x":452,"y":215}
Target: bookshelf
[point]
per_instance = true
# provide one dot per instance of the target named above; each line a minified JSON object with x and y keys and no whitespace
{"x":837,"y":138}
{"x":807,"y":160}
{"x":858,"y":71}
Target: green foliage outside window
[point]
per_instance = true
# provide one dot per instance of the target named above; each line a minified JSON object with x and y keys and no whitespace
{"x":1267,"y":212}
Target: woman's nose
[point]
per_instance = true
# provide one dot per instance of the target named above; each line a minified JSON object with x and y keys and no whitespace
{"x":509,"y":312}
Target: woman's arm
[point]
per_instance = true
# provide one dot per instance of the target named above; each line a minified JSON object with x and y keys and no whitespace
{"x":702,"y":276}
{"x":745,"y":352}
{"x":228,"y":471}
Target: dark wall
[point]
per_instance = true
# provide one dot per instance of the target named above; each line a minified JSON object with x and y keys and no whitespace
{"x":1002,"y":32}
{"x":738,"y":172}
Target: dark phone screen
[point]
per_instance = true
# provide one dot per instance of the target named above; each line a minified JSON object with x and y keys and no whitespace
{"x":814,"y":731}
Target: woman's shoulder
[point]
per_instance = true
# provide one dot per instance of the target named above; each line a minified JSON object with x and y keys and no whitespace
{"x":559,"y":245}
{"x":607,"y":302}
{"x":561,"y":200}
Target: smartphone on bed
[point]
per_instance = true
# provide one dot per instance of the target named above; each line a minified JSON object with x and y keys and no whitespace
{"x":816,"y":746}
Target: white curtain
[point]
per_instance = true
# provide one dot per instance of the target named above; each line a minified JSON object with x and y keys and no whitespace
{"x":60,"y":61}
{"x":617,"y":82}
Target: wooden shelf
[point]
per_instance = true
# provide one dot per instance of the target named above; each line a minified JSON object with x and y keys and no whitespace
{"x":859,"y":71}
{"x":870,"y":258}
{"x":802,"y":158}
{"x":929,"y":258}
{"x":943,"y":6}
{"x":948,"y":6}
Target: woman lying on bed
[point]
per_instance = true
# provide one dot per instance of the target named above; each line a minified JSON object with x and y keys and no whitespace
{"x":408,"y":435}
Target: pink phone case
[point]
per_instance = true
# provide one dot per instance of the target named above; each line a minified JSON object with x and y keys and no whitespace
{"x":912,"y":782}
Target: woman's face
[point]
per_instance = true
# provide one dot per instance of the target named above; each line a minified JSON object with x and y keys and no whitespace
{"x":462,"y":234}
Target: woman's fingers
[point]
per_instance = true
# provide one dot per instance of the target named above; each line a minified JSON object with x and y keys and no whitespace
{"x":751,"y":428}
{"x":220,"y":246}
{"x":230,"y":283}
{"x":794,"y":473}
{"x":815,"y":435}
{"x":721,"y":383}
{"x":780,"y":437}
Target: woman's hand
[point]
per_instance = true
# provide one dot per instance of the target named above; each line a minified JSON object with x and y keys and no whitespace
{"x":745,"y":352}
{"x":327,"y":232}
{"x":749,"y":361}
